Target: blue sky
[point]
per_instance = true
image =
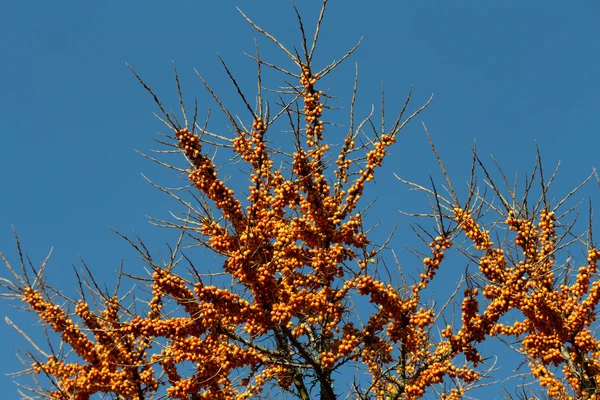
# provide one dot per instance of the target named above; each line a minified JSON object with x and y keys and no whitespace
{"x":506,"y":74}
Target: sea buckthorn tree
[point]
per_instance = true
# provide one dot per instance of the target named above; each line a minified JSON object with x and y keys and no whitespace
{"x":297,"y":258}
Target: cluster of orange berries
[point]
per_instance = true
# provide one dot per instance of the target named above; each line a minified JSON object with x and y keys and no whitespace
{"x":190,"y":143}
{"x":354,"y":193}
{"x":375,"y":157}
{"x":455,"y":394}
{"x":300,"y":164}
{"x":313,"y":108}
{"x":547,"y":379}
{"x":214,"y":357}
{"x":349,"y":233}
{"x":516,"y":329}
{"x":182,"y":388}
{"x":470,"y":306}
{"x":342,"y":161}
{"x":254,"y":150}
{"x":284,"y":194}
{"x":465,"y":373}
{"x":438,"y":246}
{"x":421,"y":318}
{"x":433,"y":374}
{"x":547,"y":236}
{"x":281,"y":313}
{"x":204,"y":177}
{"x":55,"y":316}
{"x":114,"y":362}
{"x":174,"y":286}
{"x":376,"y":352}
{"x":583,"y":284}
{"x":493,"y":265}
{"x":348,"y":343}
{"x":243,"y":146}
{"x":527,"y":234}
{"x":384,"y":295}
{"x":552,"y":316}
{"x":328,"y":359}
{"x":481,"y":239}
{"x":259,"y":126}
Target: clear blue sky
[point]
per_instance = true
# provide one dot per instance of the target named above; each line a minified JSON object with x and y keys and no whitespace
{"x":508,"y":74}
